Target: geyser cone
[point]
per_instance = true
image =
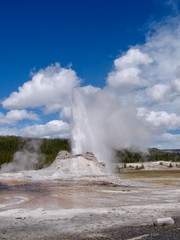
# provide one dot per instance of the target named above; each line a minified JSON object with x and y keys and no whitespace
{"x":79,"y":165}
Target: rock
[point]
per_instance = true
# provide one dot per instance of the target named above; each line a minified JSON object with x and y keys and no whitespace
{"x":163,"y":221}
{"x":63,"y":155}
{"x":139,"y":167}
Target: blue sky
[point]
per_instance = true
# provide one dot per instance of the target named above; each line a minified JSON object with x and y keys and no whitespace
{"x":87,"y":34}
{"x":85,"y":38}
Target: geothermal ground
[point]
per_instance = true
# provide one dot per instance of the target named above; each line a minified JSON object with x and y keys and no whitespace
{"x":89,"y":206}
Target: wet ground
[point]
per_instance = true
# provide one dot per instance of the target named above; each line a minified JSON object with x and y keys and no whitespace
{"x":82,"y":194}
{"x":91,"y":208}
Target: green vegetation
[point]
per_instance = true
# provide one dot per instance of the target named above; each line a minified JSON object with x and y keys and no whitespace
{"x":49,"y":147}
{"x":130,"y":156}
{"x":154,"y":154}
{"x":165,"y":155}
{"x":8,"y":146}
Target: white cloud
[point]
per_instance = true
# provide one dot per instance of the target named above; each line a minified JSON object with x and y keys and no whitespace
{"x":167,"y":141}
{"x":126,"y":77}
{"x":163,"y":46}
{"x":127,"y":73}
{"x":65,"y":114}
{"x":156,"y":76}
{"x":176,"y":85}
{"x":133,"y":58}
{"x":159,"y":121}
{"x":150,"y":73}
{"x":14,"y":116}
{"x":50,"y":88}
{"x":90,"y":90}
{"x":52,"y":108}
{"x":9,"y":131}
{"x":54,"y":128}
{"x":158,"y":92}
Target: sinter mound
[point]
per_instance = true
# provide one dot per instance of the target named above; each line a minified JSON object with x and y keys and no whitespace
{"x":77,"y":165}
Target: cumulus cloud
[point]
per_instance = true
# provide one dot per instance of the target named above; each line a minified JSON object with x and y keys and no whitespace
{"x":176,"y":81}
{"x":159,"y":121}
{"x":54,"y":128}
{"x":167,"y":141}
{"x":176,"y":85}
{"x":9,"y":131}
{"x":65,"y":114}
{"x":164,"y":48}
{"x":51,"y":129}
{"x":90,"y":90}
{"x":14,"y":116}
{"x":150,"y":73}
{"x":50,"y":88}
{"x":133,"y":58}
{"x":127,"y":72}
{"x":158,"y":92}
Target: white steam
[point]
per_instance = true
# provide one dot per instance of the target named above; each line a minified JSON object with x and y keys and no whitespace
{"x":28,"y":158}
{"x":102,"y":124}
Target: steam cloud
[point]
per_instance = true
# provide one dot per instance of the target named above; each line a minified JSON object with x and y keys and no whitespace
{"x":102,"y":124}
{"x":26,"y":159}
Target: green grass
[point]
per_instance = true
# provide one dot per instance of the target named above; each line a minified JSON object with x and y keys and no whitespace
{"x":162,"y":177}
{"x":151,"y":174}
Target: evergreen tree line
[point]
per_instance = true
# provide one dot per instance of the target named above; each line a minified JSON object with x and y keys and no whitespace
{"x":153,"y":154}
{"x":48,"y":147}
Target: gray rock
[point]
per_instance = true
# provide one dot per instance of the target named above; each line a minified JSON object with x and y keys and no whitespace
{"x":163,"y":221}
{"x":63,"y":155}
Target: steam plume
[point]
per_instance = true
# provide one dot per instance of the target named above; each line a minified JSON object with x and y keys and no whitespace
{"x":26,"y":159}
{"x":102,"y":124}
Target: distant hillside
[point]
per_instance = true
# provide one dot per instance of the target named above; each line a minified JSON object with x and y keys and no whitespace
{"x":171,"y":150}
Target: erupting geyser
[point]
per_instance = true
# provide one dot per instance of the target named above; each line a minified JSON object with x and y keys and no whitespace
{"x":102,"y":123}
{"x":81,"y":133}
